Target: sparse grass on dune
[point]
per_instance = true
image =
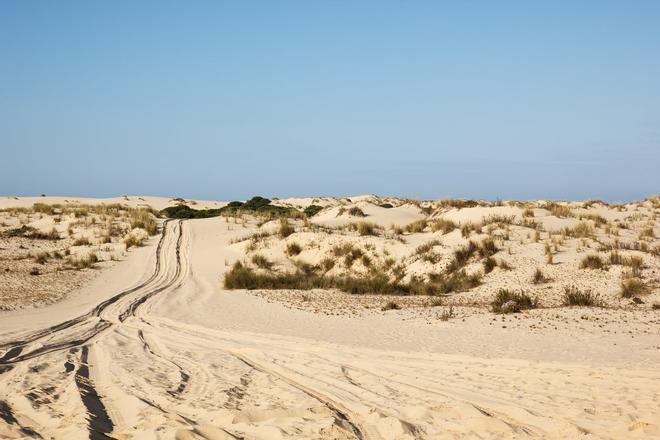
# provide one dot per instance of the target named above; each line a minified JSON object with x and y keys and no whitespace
{"x":443,"y":225}
{"x":581,"y":230}
{"x":285,"y":228}
{"x":356,"y":212}
{"x":293,"y":249}
{"x":593,"y":261}
{"x":632,"y":287}
{"x":539,"y":277}
{"x":507,"y":301}
{"x":585,"y":298}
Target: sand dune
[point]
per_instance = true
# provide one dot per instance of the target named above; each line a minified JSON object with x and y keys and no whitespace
{"x":153,"y":347}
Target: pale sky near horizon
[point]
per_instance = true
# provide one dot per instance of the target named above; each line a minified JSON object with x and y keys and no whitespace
{"x":426,"y":99}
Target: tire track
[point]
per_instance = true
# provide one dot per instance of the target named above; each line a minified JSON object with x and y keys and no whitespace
{"x":15,"y":350}
{"x":185,"y":377}
{"x":343,"y":418}
{"x":98,"y":420}
{"x":7,"y":415}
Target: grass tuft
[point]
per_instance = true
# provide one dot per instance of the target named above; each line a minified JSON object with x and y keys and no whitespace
{"x":575,"y":297}
{"x":507,"y":301}
{"x":592,"y":261}
{"x":633,"y":287}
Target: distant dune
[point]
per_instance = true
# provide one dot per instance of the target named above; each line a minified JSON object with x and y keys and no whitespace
{"x":336,"y":318}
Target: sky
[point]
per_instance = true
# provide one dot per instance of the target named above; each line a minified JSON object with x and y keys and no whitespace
{"x":424,"y":99}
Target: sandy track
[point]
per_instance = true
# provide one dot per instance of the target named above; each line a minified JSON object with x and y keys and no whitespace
{"x":124,"y":371}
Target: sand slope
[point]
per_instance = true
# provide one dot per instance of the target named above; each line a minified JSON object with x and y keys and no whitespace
{"x":175,"y":357}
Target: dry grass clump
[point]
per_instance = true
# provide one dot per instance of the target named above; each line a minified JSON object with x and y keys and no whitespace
{"x":443,"y":225}
{"x":417,"y":226}
{"x":293,"y":249}
{"x":558,"y":210}
{"x":462,"y":255}
{"x":459,"y":281}
{"x":32,"y":233}
{"x":83,"y":262}
{"x":507,"y":301}
{"x":132,"y":240}
{"x":469,"y":227}
{"x":489,"y":263}
{"x":487,"y":248}
{"x":366,"y":228}
{"x":242,"y":277}
{"x":35,"y":271}
{"x":499,"y":219}
{"x":82,"y":241}
{"x":528,"y":212}
{"x":575,"y":297}
{"x":592,"y":261}
{"x":632,"y":287}
{"x":647,"y":233}
{"x":391,"y":305}
{"x":634,"y":262}
{"x":539,"y":277}
{"x":41,"y":258}
{"x":446,"y":315}
{"x":285,"y":228}
{"x":597,"y":219}
{"x":356,"y":212}
{"x":144,"y":219}
{"x":351,"y":256}
{"x":327,"y":264}
{"x":615,"y":258}
{"x":581,"y":230}
{"x":261,"y":262}
{"x":50,"y":235}
{"x":425,"y":251}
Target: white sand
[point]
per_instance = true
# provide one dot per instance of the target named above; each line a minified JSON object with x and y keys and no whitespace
{"x":195,"y":361}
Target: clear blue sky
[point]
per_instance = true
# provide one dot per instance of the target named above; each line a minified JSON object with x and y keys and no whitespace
{"x":429,"y":99}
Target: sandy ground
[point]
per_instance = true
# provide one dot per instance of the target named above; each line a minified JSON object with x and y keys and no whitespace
{"x":154,"y":347}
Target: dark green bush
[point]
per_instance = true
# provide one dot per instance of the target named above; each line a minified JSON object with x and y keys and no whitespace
{"x":312,"y":210}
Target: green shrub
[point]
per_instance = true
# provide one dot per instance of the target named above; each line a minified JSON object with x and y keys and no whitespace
{"x":185,"y":212}
{"x":312,"y":210}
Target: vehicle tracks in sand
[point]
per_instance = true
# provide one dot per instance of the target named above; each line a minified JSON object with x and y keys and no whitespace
{"x":16,"y":350}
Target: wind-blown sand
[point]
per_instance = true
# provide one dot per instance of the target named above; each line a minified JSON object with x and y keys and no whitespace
{"x":154,"y":347}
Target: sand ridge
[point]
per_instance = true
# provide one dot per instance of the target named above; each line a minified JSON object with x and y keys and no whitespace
{"x":157,"y":348}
